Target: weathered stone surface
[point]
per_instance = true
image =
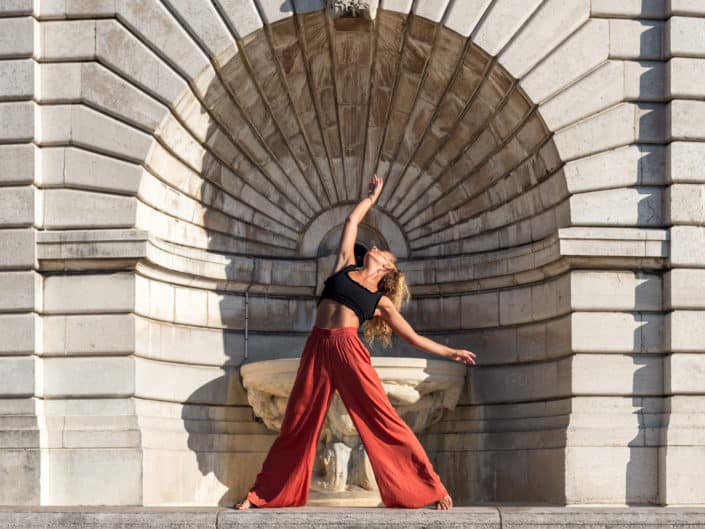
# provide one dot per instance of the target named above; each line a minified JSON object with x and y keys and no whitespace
{"x":17,"y":37}
{"x":632,"y":39}
{"x":628,"y":8}
{"x":21,"y":334}
{"x":685,"y":162}
{"x":684,"y":36}
{"x":92,"y":293}
{"x":17,"y":248}
{"x":621,"y":332}
{"x":17,"y":163}
{"x":687,"y":246}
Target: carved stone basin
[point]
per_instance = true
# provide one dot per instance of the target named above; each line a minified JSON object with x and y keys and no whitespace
{"x":419,"y":389}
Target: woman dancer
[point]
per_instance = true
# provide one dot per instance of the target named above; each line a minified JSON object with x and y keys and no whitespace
{"x":334,"y":358}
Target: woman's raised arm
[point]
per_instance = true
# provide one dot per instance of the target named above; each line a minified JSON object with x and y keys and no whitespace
{"x":392,"y":317}
{"x":346,"y":247}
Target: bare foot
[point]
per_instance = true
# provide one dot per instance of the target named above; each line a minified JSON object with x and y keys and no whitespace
{"x":445,"y":503}
{"x":244,"y":504}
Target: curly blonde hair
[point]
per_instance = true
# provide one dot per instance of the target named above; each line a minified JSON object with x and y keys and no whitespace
{"x":393,"y":285}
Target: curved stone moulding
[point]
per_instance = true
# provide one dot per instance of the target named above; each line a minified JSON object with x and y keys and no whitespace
{"x":419,"y":389}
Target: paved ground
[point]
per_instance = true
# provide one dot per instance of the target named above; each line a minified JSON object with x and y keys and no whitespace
{"x":12,"y":517}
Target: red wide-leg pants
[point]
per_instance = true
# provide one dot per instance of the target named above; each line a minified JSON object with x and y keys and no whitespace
{"x":336,"y":359}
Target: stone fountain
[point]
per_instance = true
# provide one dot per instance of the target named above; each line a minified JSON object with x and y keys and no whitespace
{"x":419,"y":389}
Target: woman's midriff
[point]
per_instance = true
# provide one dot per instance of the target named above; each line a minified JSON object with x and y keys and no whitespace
{"x":332,"y":314}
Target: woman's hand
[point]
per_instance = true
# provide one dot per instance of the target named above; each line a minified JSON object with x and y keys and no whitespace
{"x":461,"y":355}
{"x":375,"y":187}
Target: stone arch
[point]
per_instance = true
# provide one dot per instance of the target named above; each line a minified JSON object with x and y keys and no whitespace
{"x":230,"y":127}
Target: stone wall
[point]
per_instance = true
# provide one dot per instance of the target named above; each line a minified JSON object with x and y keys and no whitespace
{"x":171,"y":168}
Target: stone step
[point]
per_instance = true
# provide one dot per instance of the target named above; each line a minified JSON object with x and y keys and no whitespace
{"x":28,"y":517}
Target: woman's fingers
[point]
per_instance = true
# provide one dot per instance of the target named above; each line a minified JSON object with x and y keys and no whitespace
{"x":467,"y":357}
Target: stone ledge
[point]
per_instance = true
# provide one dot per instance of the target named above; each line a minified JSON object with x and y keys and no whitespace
{"x":577,"y":247}
{"x":16,"y":517}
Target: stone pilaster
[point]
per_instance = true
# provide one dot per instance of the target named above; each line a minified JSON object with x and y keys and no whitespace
{"x":682,"y":461}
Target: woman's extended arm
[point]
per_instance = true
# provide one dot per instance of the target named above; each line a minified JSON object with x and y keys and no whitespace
{"x":392,"y":317}
{"x":346,"y":247}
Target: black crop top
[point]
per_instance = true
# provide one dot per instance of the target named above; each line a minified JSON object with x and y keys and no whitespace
{"x":342,"y":288}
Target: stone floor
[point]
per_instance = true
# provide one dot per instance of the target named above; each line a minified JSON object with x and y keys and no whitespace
{"x":21,"y":517}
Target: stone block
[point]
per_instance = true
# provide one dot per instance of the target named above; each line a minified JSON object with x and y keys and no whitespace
{"x":16,"y":79}
{"x":17,"y":37}
{"x":684,"y":119}
{"x":190,"y":306}
{"x":88,"y":376}
{"x":204,"y":21}
{"x":48,"y":9}
{"x":680,"y":475}
{"x":515,"y":305}
{"x":685,"y":372}
{"x":88,"y":170}
{"x":89,"y":293}
{"x":685,"y":162}
{"x":162,"y":30}
{"x":622,"y":167}
{"x":685,"y":204}
{"x":88,"y":334}
{"x":628,"y":9}
{"x":686,"y":78}
{"x":636,"y":39}
{"x":118,"y":48}
{"x":617,"y":332}
{"x":18,"y":248}
{"x":684,"y":288}
{"x":609,"y":129}
{"x":685,"y":7}
{"x":17,"y":374}
{"x":181,"y":343}
{"x":23,"y":464}
{"x":685,"y":36}
{"x":154,"y":299}
{"x":551,"y":24}
{"x":580,"y":53}
{"x":615,"y":290}
{"x":687,"y":246}
{"x":610,"y":374}
{"x":60,"y":82}
{"x":432,"y":10}
{"x":550,"y":298}
{"x":192,"y":383}
{"x":17,"y":164}
{"x":479,"y":310}
{"x":17,"y":119}
{"x":462,"y":17}
{"x":600,"y":89}
{"x":500,"y":24}
{"x":685,"y":331}
{"x":17,"y":206}
{"x":522,"y":382}
{"x":78,"y":476}
{"x":611,"y":475}
{"x":634,"y":206}
{"x":112,"y":94}
{"x":21,"y":334}
{"x":21,"y":291}
{"x":82,"y":126}
{"x":67,"y":40}
{"x":75,"y":209}
{"x":16,"y":7}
